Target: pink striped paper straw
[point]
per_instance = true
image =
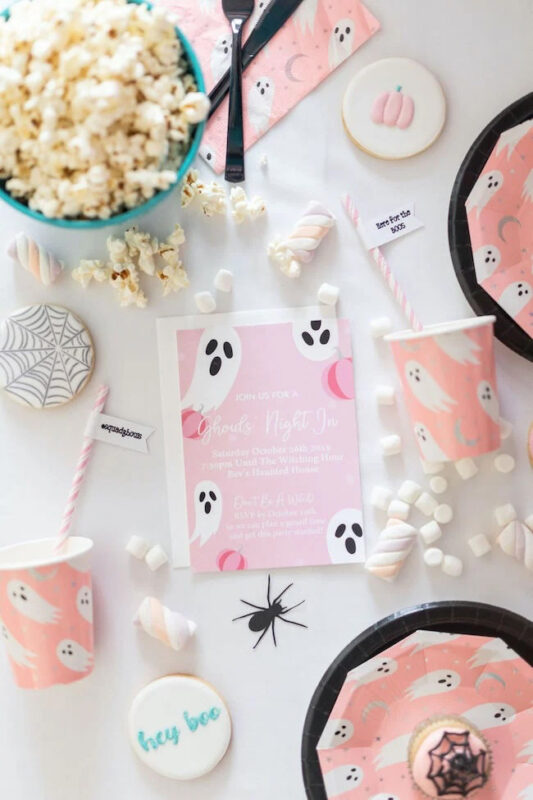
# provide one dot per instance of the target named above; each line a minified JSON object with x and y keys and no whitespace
{"x":384,"y":268}
{"x":79,"y":475}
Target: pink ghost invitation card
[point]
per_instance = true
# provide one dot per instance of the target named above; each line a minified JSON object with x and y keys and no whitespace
{"x":261,"y":440}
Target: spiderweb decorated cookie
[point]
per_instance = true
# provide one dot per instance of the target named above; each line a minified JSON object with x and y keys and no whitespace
{"x":46,"y":356}
{"x":180,"y":727}
{"x":394,"y":108}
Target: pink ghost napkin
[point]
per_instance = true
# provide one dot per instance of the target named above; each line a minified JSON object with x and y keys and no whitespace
{"x":318,"y":37}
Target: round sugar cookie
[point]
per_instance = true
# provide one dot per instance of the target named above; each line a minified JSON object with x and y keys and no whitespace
{"x":180,"y":727}
{"x":46,"y":355}
{"x":394,"y":108}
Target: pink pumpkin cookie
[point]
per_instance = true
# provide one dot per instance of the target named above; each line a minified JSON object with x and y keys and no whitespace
{"x":449,"y":759}
{"x":394,"y":108}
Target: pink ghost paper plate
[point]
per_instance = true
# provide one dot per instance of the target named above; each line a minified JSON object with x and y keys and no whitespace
{"x":490,"y":225}
{"x":365,"y":748}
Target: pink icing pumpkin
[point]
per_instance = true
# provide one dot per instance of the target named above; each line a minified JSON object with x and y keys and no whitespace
{"x":192,"y":424}
{"x":337,"y":379}
{"x":230,"y":560}
{"x":393,"y":108}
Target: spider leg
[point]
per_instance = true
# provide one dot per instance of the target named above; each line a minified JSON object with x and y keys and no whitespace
{"x":278,"y":598}
{"x":244,"y":616}
{"x":286,"y":610}
{"x":262,"y":635}
{"x":274,"y":632}
{"x":252,"y":605}
{"x":291,"y":622}
{"x":268,"y":592}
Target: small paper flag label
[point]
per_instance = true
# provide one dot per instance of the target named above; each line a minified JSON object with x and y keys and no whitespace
{"x":390,"y":225}
{"x":119,"y":432}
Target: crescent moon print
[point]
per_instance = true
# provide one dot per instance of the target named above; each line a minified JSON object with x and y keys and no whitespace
{"x":289,"y":67}
{"x":461,"y":438}
{"x":506,"y":221}
{"x":489,"y":675}
{"x":43,"y":576}
{"x":373,"y":704}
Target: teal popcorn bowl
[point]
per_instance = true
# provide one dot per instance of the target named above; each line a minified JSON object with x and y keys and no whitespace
{"x":143,"y":208}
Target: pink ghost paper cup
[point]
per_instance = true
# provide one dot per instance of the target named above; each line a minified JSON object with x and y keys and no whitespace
{"x":449,"y":380}
{"x":46,"y":611}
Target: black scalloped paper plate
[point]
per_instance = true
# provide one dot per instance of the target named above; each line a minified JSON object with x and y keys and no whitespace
{"x":506,"y":328}
{"x":451,"y":617}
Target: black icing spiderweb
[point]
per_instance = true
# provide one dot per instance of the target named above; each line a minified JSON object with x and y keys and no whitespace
{"x":454,"y":769}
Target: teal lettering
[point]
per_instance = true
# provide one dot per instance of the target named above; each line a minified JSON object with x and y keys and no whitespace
{"x":192,"y":722}
{"x":204,"y":718}
{"x":159,"y":737}
{"x":214,"y":713}
{"x":172,"y":735}
{"x":145,"y":743}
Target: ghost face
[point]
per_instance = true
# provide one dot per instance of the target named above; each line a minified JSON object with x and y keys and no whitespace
{"x":515,"y":297}
{"x":341,"y":41}
{"x":218,"y":360}
{"x":487,"y":259}
{"x":426,"y":389}
{"x":73,"y":656}
{"x":16,"y":651}
{"x":490,"y":715}
{"x":26,"y":601}
{"x":260,"y":99}
{"x":316,"y":339}
{"x":437,"y":682}
{"x":207,"y":511}
{"x":429,"y":448}
{"x":259,"y":9}
{"x":84,"y":603}
{"x":485,"y":188}
{"x":345,"y":533}
{"x":342,"y":779}
{"x":488,"y":401}
{"x":221,"y":56}
{"x":337,"y":732}
{"x":373,"y":670}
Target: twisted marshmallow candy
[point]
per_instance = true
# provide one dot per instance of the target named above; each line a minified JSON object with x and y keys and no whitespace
{"x":516,"y":540}
{"x":170,"y":627}
{"x":299,"y":246}
{"x":31,"y":256}
{"x":393,"y":546}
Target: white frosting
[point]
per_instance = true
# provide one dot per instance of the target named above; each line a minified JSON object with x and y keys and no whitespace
{"x":180,"y":727}
{"x":391,"y":140}
{"x":46,"y":356}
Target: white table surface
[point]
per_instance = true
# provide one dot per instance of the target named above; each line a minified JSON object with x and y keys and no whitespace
{"x":67,"y":743}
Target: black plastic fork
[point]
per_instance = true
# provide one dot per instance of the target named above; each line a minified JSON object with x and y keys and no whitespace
{"x":237,"y":12}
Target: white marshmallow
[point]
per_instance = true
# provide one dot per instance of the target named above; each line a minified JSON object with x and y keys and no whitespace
{"x":443,"y":514}
{"x":391,"y":445}
{"x":480,"y":545}
{"x":433,"y":557}
{"x":263,"y":161}
{"x":451,"y":565}
{"x":427,"y":504}
{"x":137,"y":546}
{"x":505,"y":514}
{"x":399,"y":510}
{"x":409,"y":491}
{"x":466,"y":468}
{"x":156,"y":557}
{"x":385,"y":395}
{"x":431,"y":467}
{"x":504,"y":463}
{"x":380,"y":327}
{"x":224,"y":280}
{"x":381,"y":497}
{"x":328,"y":294}
{"x":438,"y":484}
{"x":205,"y":302}
{"x":506,"y":428}
{"x":529,"y":522}
{"x":430,"y":532}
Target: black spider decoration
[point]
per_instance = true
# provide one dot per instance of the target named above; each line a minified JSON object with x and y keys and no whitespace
{"x":454,"y":768}
{"x":264,"y":617}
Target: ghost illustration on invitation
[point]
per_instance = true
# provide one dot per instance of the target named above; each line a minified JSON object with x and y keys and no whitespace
{"x":208,"y":511}
{"x":218,"y":360}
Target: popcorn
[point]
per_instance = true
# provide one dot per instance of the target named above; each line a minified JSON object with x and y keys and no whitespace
{"x":138,"y":250}
{"x":213,"y":199}
{"x":242,"y":208}
{"x":96,"y":106}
